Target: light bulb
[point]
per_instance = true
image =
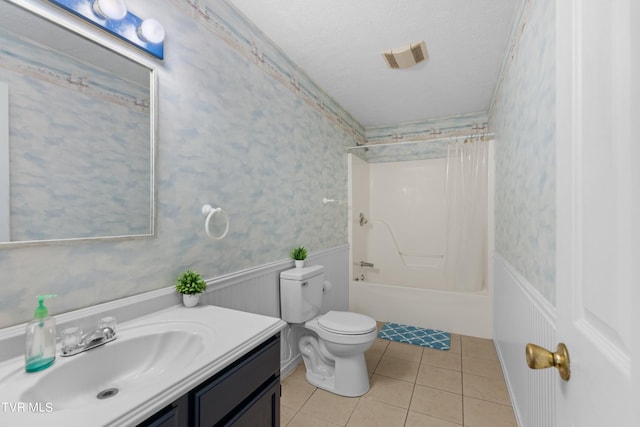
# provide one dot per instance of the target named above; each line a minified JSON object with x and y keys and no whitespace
{"x":111,"y":9}
{"x":151,"y":31}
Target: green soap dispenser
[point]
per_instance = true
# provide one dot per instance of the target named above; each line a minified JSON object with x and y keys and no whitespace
{"x":40,"y":339}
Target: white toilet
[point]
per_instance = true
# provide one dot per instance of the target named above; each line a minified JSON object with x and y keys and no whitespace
{"x":334,"y":343}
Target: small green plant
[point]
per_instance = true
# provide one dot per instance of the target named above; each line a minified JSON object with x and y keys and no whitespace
{"x":190,"y":283}
{"x":299,"y":253}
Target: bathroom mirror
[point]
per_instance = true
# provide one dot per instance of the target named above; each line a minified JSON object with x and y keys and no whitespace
{"x":77,"y":133}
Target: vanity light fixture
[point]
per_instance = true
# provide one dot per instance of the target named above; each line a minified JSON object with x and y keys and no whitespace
{"x":151,"y":31}
{"x":113,"y":17}
{"x":110,"y":9}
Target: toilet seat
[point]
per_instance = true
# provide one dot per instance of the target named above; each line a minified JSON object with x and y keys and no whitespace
{"x":346,"y":323}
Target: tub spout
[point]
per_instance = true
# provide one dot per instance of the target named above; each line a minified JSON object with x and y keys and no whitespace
{"x":366,"y":264}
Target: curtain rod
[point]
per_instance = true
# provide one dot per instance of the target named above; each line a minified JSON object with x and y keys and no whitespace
{"x":442,"y":138}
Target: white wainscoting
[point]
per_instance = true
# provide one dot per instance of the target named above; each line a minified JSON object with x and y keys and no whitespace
{"x":521,"y":316}
{"x":257,"y":290}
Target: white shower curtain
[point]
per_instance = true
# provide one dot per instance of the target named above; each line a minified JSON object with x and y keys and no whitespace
{"x":466,"y":201}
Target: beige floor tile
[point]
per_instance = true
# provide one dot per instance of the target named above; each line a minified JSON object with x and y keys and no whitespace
{"x":298,"y":374}
{"x":295,"y":391}
{"x":372,"y":359}
{"x":455,"y":344}
{"x":398,"y":368}
{"x":478,"y":347}
{"x":410,"y":386}
{"x":482,"y":367}
{"x":441,"y":359}
{"x":330,"y":407}
{"x":410,"y":352}
{"x":480,"y":413}
{"x":390,"y":390}
{"x":286,"y":415}
{"x":374,"y":354}
{"x":440,"y":378}
{"x":304,"y":420}
{"x":437,"y":403}
{"x":416,"y":419}
{"x":370,"y":413}
{"x":379,"y":344}
{"x":485,"y":388}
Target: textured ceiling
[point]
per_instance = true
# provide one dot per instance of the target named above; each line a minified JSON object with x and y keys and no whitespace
{"x":339,"y":44}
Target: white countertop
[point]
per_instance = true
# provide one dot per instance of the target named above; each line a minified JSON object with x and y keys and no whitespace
{"x":229,"y":335}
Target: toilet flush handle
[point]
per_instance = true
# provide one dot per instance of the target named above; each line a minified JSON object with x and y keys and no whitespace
{"x":326,"y":287}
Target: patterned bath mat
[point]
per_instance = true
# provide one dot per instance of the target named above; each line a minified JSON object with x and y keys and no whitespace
{"x":418,"y":336}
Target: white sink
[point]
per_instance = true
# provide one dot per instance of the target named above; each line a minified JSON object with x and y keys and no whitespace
{"x":153,"y":361}
{"x":141,"y":357}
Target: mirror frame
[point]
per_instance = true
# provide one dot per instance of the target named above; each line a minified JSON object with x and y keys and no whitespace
{"x":57,"y":17}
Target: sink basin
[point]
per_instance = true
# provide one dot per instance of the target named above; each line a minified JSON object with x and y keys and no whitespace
{"x":154,"y":360}
{"x":139,"y":358}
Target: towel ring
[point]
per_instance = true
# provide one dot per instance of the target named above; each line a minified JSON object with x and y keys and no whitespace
{"x":209,"y":212}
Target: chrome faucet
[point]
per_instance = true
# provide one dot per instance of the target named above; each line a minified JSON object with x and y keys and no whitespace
{"x":366,"y":264}
{"x":73,"y":344}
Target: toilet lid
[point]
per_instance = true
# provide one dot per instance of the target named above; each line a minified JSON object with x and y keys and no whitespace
{"x":344,"y":322}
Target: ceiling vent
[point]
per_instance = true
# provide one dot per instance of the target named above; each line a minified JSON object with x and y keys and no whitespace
{"x":406,"y":56}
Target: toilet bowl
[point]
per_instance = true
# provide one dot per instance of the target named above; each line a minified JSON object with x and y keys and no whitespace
{"x":346,"y":347}
{"x":332,"y":345}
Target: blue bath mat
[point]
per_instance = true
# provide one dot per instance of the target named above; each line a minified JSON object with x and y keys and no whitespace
{"x":418,"y":336}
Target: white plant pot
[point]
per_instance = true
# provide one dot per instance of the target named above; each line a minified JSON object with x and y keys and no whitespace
{"x":299,"y":263}
{"x":190,"y":300}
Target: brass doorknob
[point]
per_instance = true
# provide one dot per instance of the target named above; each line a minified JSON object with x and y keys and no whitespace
{"x":540,"y":358}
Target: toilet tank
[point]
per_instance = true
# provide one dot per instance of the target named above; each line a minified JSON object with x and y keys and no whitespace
{"x":301,"y":293}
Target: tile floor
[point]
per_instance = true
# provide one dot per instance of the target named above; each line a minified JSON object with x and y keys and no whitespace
{"x":410,"y":386}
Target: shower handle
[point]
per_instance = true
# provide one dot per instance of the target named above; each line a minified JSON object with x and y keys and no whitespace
{"x":363,"y":220}
{"x":366,"y":264}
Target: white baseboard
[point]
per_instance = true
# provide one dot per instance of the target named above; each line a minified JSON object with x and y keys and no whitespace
{"x":288,"y":368}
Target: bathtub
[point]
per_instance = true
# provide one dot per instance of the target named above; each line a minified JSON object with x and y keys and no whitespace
{"x":398,"y":221}
{"x":466,"y":313}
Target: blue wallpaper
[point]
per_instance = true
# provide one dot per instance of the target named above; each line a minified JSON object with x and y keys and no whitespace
{"x":523,"y":119}
{"x":460,"y":124}
{"x":427,"y":139}
{"x":232,"y":133}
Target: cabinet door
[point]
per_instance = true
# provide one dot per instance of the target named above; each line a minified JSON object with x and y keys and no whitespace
{"x":262,"y":411}
{"x":215,"y":401}
{"x":174,"y":415}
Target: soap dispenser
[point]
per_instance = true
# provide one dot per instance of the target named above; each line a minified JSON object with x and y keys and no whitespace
{"x":40,"y":339}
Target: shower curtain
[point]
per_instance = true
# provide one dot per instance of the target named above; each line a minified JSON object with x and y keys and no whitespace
{"x":466,"y":202}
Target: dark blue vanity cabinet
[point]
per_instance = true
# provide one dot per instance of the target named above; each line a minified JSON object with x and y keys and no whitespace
{"x":246,"y":393}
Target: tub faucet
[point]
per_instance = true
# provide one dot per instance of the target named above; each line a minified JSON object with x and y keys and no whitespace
{"x":366,"y":264}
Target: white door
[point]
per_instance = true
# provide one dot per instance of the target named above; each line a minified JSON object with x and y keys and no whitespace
{"x":598,"y":199}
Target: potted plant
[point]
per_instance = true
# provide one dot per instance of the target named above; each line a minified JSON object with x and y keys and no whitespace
{"x":190,"y":285}
{"x":299,"y":254}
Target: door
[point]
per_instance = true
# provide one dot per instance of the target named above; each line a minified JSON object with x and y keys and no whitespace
{"x":598,"y":196}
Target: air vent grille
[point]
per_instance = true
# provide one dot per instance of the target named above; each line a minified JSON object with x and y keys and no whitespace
{"x":406,"y":56}
{"x":418,"y":54}
{"x":391,"y":61}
